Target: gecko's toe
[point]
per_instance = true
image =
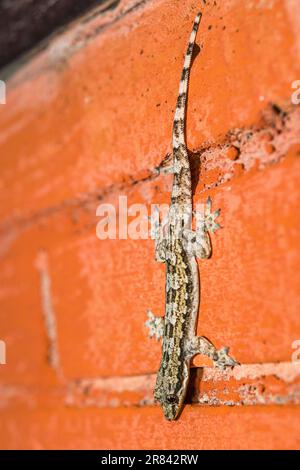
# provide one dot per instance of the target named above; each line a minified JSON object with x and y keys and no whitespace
{"x":223,"y":359}
{"x":210,"y":217}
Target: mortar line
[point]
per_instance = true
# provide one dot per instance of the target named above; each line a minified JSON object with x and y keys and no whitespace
{"x":22,"y":223}
{"x":48,"y":312}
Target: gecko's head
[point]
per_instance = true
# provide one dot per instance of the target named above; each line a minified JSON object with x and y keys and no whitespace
{"x":171,"y":397}
{"x":171,"y":406}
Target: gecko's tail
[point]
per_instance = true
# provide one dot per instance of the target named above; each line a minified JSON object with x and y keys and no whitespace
{"x":179,"y":118}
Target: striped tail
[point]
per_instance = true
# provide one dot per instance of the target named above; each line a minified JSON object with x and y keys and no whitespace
{"x":182,"y":192}
{"x":179,"y":118}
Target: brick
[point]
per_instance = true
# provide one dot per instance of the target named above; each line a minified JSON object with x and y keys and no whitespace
{"x":199,"y":428}
{"x":22,"y":325}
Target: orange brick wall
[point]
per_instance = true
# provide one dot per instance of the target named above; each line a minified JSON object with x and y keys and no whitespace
{"x":89,"y":118}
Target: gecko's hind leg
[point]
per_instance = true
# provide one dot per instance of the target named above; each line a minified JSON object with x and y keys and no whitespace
{"x":207,"y":221}
{"x":155,"y":325}
{"x":201,"y":345}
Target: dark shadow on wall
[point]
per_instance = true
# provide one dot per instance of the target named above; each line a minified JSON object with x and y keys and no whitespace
{"x":24,"y":23}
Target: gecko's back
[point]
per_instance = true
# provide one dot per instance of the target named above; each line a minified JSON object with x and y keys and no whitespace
{"x":180,"y":317}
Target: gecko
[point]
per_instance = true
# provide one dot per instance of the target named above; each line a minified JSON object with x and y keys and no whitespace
{"x":178,"y":245}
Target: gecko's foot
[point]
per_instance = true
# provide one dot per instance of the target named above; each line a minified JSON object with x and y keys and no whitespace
{"x":166,"y":170}
{"x":222,"y":359}
{"x":208,"y":221}
{"x":155,"y":325}
{"x":201,"y":345}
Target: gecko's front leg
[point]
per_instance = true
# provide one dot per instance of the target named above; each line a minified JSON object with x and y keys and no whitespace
{"x":158,"y":233}
{"x":198,"y":241}
{"x":155,"y":325}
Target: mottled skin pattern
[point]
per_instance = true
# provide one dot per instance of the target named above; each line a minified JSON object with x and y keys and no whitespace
{"x":173,"y":373}
{"x":177,"y":245}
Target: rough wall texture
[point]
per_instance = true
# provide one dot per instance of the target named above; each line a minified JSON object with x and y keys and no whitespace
{"x":88,"y":119}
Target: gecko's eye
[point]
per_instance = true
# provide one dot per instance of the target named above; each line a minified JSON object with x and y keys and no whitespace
{"x":172,"y":399}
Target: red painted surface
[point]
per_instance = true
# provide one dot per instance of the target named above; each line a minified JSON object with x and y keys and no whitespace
{"x":88,"y":119}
